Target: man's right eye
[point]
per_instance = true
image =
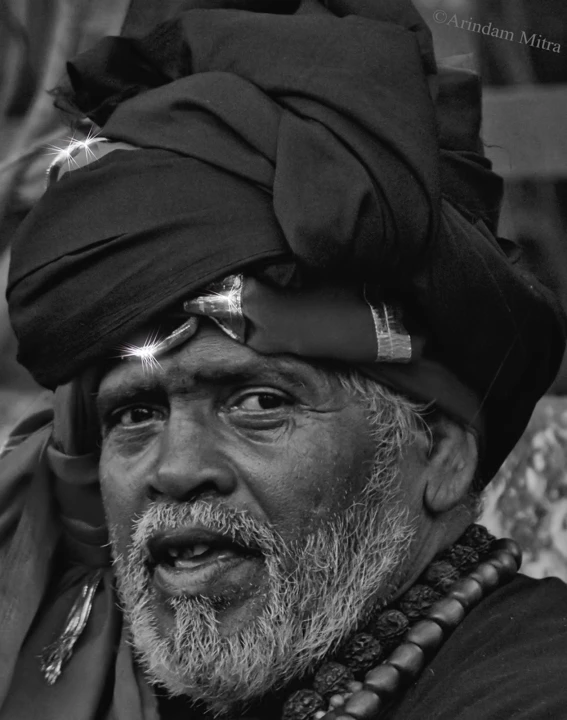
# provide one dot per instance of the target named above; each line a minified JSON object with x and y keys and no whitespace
{"x":136,"y":416}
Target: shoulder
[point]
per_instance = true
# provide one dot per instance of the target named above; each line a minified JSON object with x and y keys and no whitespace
{"x":506,"y":660}
{"x":38,"y":420}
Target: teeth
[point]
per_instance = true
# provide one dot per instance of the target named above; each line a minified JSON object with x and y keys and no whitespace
{"x":176,"y":554}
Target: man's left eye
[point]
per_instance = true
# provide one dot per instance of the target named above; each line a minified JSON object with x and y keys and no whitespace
{"x":261,"y":402}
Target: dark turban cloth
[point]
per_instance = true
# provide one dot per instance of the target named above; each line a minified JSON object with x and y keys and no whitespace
{"x":299,"y":142}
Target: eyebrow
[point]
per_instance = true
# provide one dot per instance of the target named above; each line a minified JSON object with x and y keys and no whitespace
{"x":294,"y":373}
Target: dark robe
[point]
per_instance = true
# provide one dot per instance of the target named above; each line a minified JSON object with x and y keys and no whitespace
{"x":507,"y":659}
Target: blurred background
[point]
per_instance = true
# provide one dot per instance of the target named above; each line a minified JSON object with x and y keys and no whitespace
{"x":525,"y":133}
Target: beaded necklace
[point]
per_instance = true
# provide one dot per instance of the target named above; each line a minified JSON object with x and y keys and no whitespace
{"x":369,"y":673}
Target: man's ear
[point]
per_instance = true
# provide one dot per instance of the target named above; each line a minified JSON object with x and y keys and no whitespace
{"x":451,"y":465}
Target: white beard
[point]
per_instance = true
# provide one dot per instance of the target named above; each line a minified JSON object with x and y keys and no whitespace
{"x":340,"y":573}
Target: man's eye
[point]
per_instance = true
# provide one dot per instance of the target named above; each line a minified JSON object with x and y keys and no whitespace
{"x":261,"y":402}
{"x":130,"y":417}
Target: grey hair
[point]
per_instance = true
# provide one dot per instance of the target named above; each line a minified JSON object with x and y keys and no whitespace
{"x":396,"y":421}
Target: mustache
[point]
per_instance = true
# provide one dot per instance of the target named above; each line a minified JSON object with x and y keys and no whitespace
{"x":238,"y":525}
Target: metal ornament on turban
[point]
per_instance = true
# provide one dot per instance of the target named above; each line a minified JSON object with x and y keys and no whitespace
{"x":312,"y":153}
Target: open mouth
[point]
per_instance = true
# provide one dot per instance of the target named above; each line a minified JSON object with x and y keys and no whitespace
{"x":198,"y":562}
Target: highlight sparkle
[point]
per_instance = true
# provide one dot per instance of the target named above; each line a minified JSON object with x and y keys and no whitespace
{"x":66,"y":154}
{"x":145,"y":353}
{"x":231,"y":298}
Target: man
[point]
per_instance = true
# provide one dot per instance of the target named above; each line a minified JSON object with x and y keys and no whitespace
{"x":288,"y":353}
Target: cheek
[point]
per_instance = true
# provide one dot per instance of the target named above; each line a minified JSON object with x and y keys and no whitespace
{"x":120,"y":496}
{"x":411,"y":478}
{"x":320,"y":472}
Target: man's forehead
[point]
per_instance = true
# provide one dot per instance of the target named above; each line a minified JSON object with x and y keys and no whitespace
{"x":210,"y":357}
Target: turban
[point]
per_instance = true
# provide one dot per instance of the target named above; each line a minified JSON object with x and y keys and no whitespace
{"x":309,"y":145}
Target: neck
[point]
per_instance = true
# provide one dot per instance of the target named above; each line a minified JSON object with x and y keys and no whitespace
{"x":428,"y":543}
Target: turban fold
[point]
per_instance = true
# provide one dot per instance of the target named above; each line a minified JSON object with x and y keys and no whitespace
{"x":303,"y":143}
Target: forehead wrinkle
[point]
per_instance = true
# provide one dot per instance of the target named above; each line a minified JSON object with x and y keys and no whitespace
{"x":221,"y":371}
{"x":213,"y":358}
{"x":180,"y":372}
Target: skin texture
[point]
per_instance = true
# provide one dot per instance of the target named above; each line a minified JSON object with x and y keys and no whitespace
{"x":273,"y":436}
{"x":220,"y":422}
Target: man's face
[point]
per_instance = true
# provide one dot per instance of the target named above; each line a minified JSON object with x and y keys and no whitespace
{"x":236,"y":492}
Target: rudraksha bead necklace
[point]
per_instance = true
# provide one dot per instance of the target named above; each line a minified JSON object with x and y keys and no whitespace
{"x":369,"y":673}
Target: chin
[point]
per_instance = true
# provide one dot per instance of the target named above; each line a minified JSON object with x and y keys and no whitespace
{"x":234,"y":608}
{"x":219,"y":652}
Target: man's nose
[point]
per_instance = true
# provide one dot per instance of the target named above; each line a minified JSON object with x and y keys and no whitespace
{"x":191,"y":461}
